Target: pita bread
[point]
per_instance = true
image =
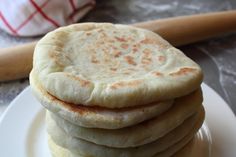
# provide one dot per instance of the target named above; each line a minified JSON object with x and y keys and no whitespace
{"x":140,"y":134}
{"x":182,"y":133}
{"x":113,"y":66}
{"x":97,"y":117}
{"x":175,"y":148}
{"x":58,"y":151}
{"x":85,"y":148}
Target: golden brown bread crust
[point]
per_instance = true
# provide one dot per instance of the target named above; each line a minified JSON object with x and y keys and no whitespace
{"x":96,"y":116}
{"x":112,"y":66}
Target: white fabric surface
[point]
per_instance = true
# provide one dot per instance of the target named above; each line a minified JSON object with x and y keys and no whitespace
{"x":37,"y":17}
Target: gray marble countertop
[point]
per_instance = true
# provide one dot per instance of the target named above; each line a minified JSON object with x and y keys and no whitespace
{"x":217,"y":57}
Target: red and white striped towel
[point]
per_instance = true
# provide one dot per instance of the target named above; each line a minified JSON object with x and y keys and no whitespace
{"x":37,"y":17}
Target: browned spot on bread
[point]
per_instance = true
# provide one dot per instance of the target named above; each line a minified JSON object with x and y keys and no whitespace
{"x":161,"y":58}
{"x":183,"y":71}
{"x":159,"y":43}
{"x":104,"y":34}
{"x":106,"y":60}
{"x":130,"y":60}
{"x":156,"y":73}
{"x":55,"y":56}
{"x":111,"y":41}
{"x":76,"y":108}
{"x":54,"y":100}
{"x":147,"y":52}
{"x":126,"y":73}
{"x":70,"y":106}
{"x":99,"y":43}
{"x":82,"y":82}
{"x":100,"y":30}
{"x":105,"y":50}
{"x":115,"y":48}
{"x":122,"y":84}
{"x":92,"y":50}
{"x":113,"y":69}
{"x":136,"y":45}
{"x":134,"y":50}
{"x":58,"y":49}
{"x":124,"y":46}
{"x":94,"y":60}
{"x":117,"y":53}
{"x":120,"y":39}
{"x":146,"y":58}
{"x":88,"y":33}
{"x":130,"y":39}
{"x":59,"y":43}
{"x":61,"y":34}
{"x":147,"y":41}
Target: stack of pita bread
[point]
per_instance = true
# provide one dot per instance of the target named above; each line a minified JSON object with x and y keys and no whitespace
{"x":116,"y":91}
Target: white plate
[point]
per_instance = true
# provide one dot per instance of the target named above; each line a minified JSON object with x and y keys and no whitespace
{"x":22,"y":128}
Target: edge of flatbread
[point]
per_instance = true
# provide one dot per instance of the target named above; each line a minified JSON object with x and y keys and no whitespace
{"x":112,"y":65}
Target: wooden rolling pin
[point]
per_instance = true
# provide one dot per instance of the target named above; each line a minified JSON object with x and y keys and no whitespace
{"x":16,"y":62}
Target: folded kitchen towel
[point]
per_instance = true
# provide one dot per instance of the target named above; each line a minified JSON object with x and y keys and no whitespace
{"x":37,"y":17}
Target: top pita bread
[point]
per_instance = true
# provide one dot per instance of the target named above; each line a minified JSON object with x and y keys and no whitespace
{"x":114,"y":66}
